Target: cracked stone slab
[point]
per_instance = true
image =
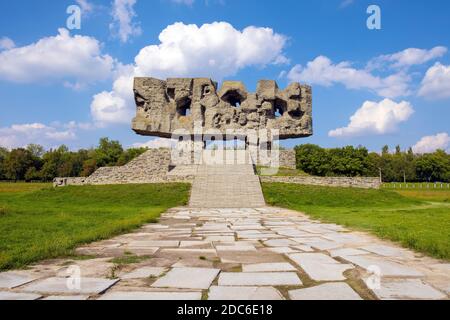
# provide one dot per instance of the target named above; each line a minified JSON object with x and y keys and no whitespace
{"x":397,"y":289}
{"x":12,"y":279}
{"x":143,"y":295}
{"x":266,"y":267}
{"x":320,"y":267}
{"x":244,"y":293}
{"x":259,"y":279}
{"x":6,"y":295}
{"x":326,"y":291}
{"x":187,"y":278}
{"x":387,"y":268}
{"x":144,"y":272}
{"x":67,"y":286}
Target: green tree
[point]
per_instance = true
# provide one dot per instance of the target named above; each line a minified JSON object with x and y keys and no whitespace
{"x":3,"y":154}
{"x":108,"y":152}
{"x":36,"y":150}
{"x":16,"y":164}
{"x":312,"y":159}
{"x":433,"y":166}
{"x":32,"y":174}
{"x":89,"y":166}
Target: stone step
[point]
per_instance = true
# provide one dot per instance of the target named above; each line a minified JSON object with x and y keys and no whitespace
{"x":226,"y":186}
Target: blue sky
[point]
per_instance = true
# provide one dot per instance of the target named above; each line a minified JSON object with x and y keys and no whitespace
{"x":370,"y":87}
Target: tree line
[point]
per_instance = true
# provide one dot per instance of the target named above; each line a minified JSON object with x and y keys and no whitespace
{"x":396,"y":166}
{"x":33,"y":163}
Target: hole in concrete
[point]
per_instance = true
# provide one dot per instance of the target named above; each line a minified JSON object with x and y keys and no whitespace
{"x":171,"y":93}
{"x":279,"y":108}
{"x":234,"y":98}
{"x":184,"y":107}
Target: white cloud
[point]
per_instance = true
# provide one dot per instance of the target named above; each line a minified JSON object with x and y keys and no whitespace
{"x":436,"y":83}
{"x":75,"y":59}
{"x":156,"y":143}
{"x":322,"y":71}
{"x":86,"y":6}
{"x":213,"y":50}
{"x":429,"y":144}
{"x":20,"y":135}
{"x":375,"y":118}
{"x":123,"y":15}
{"x":6,"y":43}
{"x":407,"y":58}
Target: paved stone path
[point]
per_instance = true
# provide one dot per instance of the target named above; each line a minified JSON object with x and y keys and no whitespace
{"x":262,"y":253}
{"x":226,"y":186}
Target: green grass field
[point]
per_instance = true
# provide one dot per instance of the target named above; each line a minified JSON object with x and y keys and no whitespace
{"x":38,"y":221}
{"x":420,"y":221}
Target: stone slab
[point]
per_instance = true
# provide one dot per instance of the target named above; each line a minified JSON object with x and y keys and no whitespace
{"x":154,"y":243}
{"x":259,"y":279}
{"x":11,"y":279}
{"x":244,"y":293}
{"x":6,"y":295}
{"x":70,"y":298}
{"x":346,"y":252}
{"x":387,"y":268}
{"x":142,"y":295}
{"x":187,"y":278}
{"x":399,"y":289}
{"x":327,"y":291}
{"x":144,"y":272}
{"x":320,"y":267}
{"x":236,"y":248}
{"x":383,"y":250}
{"x":280,"y":243}
{"x":267,"y":267}
{"x":64,"y":286}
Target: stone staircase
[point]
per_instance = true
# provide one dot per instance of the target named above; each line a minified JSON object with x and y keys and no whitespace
{"x":226,"y":186}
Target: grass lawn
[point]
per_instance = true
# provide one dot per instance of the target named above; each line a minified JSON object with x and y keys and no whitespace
{"x":418,"y":221}
{"x":282,"y":172}
{"x":38,"y":221}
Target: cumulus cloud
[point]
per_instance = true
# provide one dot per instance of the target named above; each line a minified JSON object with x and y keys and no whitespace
{"x":213,"y":50}
{"x":436,"y":83}
{"x":156,"y":143}
{"x":123,"y":24}
{"x":322,"y":71}
{"x":429,"y":144}
{"x":74,"y":59}
{"x":407,"y":58}
{"x":20,"y":135}
{"x":6,"y":43}
{"x":375,"y":118}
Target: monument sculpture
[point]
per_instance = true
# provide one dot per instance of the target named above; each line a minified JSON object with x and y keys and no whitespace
{"x":182,"y":103}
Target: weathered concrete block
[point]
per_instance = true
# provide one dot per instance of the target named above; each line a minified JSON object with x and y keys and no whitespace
{"x":165,"y":106}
